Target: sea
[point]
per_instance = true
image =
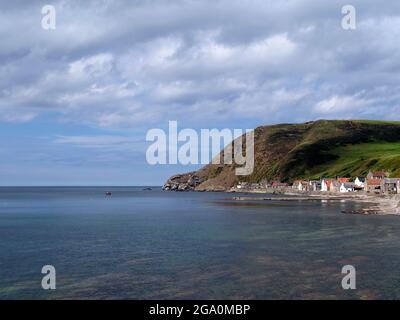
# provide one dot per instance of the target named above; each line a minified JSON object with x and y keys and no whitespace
{"x":141,"y":243}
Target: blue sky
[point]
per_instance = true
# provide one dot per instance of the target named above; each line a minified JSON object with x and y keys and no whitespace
{"x":76,"y":102}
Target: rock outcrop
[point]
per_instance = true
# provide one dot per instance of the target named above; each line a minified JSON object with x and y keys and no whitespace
{"x":183,"y":182}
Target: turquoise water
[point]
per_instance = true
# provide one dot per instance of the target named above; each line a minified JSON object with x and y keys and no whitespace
{"x":140,"y":244}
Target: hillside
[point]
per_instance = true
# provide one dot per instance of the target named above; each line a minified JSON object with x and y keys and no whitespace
{"x":324,"y":148}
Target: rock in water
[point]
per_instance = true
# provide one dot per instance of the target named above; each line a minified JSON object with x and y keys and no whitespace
{"x":182,"y":182}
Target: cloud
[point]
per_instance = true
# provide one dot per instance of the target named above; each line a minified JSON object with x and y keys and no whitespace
{"x":337,"y":104}
{"x":112,"y":151}
{"x":93,"y":141}
{"x":79,"y":99}
{"x":121,"y":64}
{"x":95,"y":66}
{"x":11,"y":117}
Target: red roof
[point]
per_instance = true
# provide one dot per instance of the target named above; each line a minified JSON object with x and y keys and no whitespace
{"x":379,"y":174}
{"x":374,"y":182}
{"x":300,"y":182}
{"x":279,"y":184}
{"x":343,"y":180}
{"x":328,"y":182}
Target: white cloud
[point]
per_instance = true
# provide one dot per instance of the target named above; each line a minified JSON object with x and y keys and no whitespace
{"x":96,"y":66}
{"x":196,"y":61}
{"x":12,"y":117}
{"x":337,"y":104}
{"x":98,"y":141}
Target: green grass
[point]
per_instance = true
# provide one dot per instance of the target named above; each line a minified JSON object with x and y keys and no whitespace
{"x":357,"y":160}
{"x":379,"y":122}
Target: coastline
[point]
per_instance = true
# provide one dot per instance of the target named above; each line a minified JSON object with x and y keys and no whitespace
{"x":376,"y":204}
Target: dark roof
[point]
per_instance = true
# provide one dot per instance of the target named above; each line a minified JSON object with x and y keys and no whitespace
{"x":348,"y":184}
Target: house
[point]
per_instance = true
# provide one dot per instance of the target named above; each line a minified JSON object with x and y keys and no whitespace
{"x":325,"y":184}
{"x":297,"y":185}
{"x":391,"y":185}
{"x":277,"y":185}
{"x":264,"y":183}
{"x":343,"y":180}
{"x":248,"y":186}
{"x":300,"y":185}
{"x":377,"y":175}
{"x":242,"y":185}
{"x":335,"y":186}
{"x":359,"y":182}
{"x":330,"y":185}
{"x":373,"y":185}
{"x":346,"y":187}
{"x":315,"y":185}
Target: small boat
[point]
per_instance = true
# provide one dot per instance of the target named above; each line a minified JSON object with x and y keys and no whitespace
{"x":108,"y":193}
{"x":147,"y":189}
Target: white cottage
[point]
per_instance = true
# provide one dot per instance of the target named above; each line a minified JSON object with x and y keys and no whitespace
{"x":326,"y":184}
{"x":300,"y":185}
{"x":359,"y":182}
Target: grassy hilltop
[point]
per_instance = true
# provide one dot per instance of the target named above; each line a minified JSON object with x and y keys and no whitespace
{"x":315,"y":149}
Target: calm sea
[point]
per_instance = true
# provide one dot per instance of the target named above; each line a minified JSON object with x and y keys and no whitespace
{"x":140,"y":244}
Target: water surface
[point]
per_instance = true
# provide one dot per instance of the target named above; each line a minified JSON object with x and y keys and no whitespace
{"x":141,"y":244}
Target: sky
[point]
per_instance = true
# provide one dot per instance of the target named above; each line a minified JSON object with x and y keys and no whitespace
{"x":77,"y":101}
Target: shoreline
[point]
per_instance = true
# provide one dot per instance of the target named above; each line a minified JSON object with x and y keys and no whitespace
{"x":377,"y":204}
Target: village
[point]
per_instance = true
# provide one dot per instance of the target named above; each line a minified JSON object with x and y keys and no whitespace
{"x":377,"y":182}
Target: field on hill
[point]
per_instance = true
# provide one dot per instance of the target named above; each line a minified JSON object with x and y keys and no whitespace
{"x":326,"y":149}
{"x":357,"y":160}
